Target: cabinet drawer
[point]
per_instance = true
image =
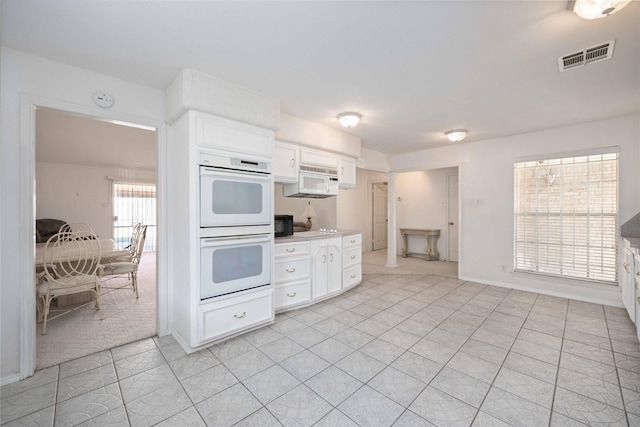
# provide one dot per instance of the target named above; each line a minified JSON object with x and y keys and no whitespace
{"x":232,"y":315}
{"x":295,"y":294}
{"x":288,"y":270}
{"x":291,"y":249}
{"x":351,"y":276}
{"x":355,"y":239}
{"x":352,"y":256}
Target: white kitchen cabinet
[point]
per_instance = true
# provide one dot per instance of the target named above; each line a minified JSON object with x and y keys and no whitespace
{"x":347,"y":172}
{"x":229,"y":135}
{"x":197,"y":323}
{"x":318,"y":158}
{"x":627,"y":282}
{"x":326,"y":259}
{"x":285,"y":162}
{"x":223,"y":317}
{"x":291,"y":275}
{"x":351,"y":260}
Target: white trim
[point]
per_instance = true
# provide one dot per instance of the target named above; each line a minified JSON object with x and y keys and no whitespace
{"x":563,"y":154}
{"x":545,"y":292}
{"x":9,"y":379}
{"x":26,"y":244}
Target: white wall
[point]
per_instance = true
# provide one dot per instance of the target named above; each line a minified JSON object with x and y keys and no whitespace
{"x":62,"y":85}
{"x":82,"y":194}
{"x":486,"y":191}
{"x":354,"y":205}
{"x":423,"y":204}
{"x":324,"y":208}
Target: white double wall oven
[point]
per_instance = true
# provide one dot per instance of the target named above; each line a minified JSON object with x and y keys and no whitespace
{"x":236,"y":224}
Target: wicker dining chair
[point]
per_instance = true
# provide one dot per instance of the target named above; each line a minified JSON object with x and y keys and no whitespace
{"x":120,"y":267}
{"x":71,"y":265}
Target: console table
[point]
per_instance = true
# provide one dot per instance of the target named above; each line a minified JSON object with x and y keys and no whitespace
{"x":431,"y":252}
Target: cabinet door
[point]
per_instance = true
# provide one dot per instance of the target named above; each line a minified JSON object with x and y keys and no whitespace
{"x":320,"y":277}
{"x":229,"y":135}
{"x":347,"y":172}
{"x":334,"y":255}
{"x":318,"y":158}
{"x":627,"y":283}
{"x":285,"y":162}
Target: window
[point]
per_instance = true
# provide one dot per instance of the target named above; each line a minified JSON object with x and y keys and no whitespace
{"x":566,"y":217}
{"x":134,"y":203}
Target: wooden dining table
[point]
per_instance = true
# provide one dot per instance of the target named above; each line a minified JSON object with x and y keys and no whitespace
{"x":108,"y":251}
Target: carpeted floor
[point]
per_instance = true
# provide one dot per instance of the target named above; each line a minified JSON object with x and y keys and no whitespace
{"x":373,"y":263}
{"x":82,"y":332}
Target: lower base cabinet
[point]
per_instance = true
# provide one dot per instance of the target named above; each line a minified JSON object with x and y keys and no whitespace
{"x":326,"y":267}
{"x":227,"y":316}
{"x":292,"y":295}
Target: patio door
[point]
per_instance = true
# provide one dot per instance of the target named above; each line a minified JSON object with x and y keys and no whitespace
{"x":134,"y":203}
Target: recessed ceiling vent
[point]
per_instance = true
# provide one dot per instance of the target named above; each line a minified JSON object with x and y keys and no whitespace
{"x":587,"y":56}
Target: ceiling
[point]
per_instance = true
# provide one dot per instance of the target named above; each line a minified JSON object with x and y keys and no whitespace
{"x":412,"y":69}
{"x":79,"y":140}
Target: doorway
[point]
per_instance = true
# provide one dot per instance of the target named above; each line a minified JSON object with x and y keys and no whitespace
{"x":379,"y":198}
{"x":77,"y":156}
{"x":453,"y":215}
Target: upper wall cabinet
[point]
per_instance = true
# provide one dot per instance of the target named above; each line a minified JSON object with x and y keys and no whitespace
{"x":318,"y":158}
{"x":219,"y":133}
{"x":347,"y":172}
{"x":285,"y":162}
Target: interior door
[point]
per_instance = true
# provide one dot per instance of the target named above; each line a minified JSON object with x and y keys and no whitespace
{"x":453,"y":217}
{"x":379,"y":210}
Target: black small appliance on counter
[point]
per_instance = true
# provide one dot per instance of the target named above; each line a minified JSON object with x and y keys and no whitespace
{"x":283,"y":225}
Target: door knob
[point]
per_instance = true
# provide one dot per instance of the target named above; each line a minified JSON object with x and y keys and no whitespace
{"x":450,"y":223}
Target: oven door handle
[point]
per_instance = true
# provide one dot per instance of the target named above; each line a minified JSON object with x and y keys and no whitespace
{"x":211,"y":171}
{"x":235,"y":240}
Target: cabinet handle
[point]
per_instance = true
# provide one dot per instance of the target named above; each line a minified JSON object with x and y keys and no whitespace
{"x":290,"y":250}
{"x":638,"y":299}
{"x":331,"y":257}
{"x":638,"y":274}
{"x":244,"y":313}
{"x":353,"y":257}
{"x":291,"y":270}
{"x":324,"y":259}
{"x":353,"y":276}
{"x":292,"y":163}
{"x":292,"y":295}
{"x":342,"y":170}
{"x":626,"y":266}
{"x":353,"y":241}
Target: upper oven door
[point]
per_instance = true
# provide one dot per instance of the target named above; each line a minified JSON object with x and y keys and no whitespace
{"x":234,"y":198}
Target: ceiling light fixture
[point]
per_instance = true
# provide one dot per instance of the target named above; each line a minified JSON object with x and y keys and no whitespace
{"x":456,"y":135}
{"x":593,"y":9}
{"x":349,"y":120}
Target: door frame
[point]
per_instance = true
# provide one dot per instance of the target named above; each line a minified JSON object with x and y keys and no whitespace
{"x":372,"y":213}
{"x":26,"y":245}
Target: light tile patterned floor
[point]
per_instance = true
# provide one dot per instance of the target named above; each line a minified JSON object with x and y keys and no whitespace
{"x":403,"y":350}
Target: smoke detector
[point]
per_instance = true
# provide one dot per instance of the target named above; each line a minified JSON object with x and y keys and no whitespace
{"x":587,"y":56}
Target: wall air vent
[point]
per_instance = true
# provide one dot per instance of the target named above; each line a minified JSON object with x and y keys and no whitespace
{"x":586,"y":56}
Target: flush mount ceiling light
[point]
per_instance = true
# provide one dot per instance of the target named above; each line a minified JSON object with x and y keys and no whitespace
{"x":456,"y":135}
{"x":593,"y":9}
{"x":349,"y":120}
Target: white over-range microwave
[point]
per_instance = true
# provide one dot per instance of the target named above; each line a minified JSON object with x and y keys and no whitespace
{"x":317,"y":183}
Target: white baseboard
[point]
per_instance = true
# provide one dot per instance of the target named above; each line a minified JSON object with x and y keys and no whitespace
{"x":9,"y":379}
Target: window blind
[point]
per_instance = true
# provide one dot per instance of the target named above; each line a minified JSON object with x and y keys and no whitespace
{"x":566,"y":217}
{"x":134,"y":203}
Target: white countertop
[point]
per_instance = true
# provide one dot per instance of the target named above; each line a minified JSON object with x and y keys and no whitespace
{"x":314,"y":234}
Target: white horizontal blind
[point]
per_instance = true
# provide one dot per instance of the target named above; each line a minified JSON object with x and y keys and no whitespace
{"x":566,"y":217}
{"x":134,"y":203}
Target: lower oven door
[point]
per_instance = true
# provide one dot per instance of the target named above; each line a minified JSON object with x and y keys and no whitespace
{"x":233,"y":264}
